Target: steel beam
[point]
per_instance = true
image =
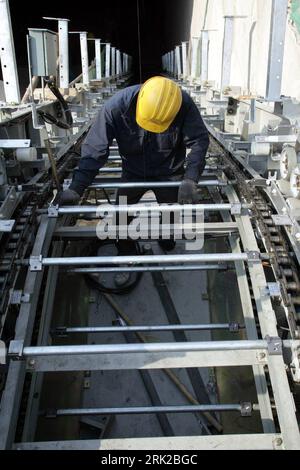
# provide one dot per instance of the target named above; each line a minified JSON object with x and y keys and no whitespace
{"x":276,"y":49}
{"x":8,"y":56}
{"x":155,"y":185}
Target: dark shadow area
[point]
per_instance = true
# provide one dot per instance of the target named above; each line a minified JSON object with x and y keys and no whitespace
{"x":163,"y":24}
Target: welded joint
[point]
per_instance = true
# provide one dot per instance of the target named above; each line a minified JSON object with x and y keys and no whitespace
{"x":17,"y":297}
{"x":15,"y":350}
{"x":53,"y":211}
{"x":246,"y":409}
{"x":36,"y":263}
{"x":274,"y":346}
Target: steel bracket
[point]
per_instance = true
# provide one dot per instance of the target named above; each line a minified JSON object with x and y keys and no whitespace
{"x":7,"y":225}
{"x":17,"y":297}
{"x":53,"y":211}
{"x":246,"y":409}
{"x":15,"y":351}
{"x":35,"y":263}
{"x":274,"y":345}
{"x":236,"y":208}
{"x":274,"y":290}
{"x":282,"y":220}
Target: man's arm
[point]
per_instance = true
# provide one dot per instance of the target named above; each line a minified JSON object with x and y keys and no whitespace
{"x":195,"y":138}
{"x":94,"y":152}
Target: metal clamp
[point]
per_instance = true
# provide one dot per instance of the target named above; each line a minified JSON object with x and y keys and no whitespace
{"x":17,"y":297}
{"x":246,"y":409}
{"x":35,"y":263}
{"x":274,"y":345}
{"x":234,"y":327}
{"x":53,"y":211}
{"x":15,"y":351}
{"x":66,"y":184}
{"x":253,"y":255}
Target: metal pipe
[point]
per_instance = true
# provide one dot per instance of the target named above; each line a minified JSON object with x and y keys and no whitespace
{"x":130,"y":329}
{"x":74,"y":350}
{"x":143,"y":410}
{"x":162,"y":208}
{"x":155,"y":185}
{"x":156,"y":259}
{"x":146,"y":269}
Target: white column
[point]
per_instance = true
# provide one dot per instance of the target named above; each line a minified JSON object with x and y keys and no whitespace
{"x":184,"y":60}
{"x":204,"y":55}
{"x":107,"y":60}
{"x":195,"y":58}
{"x":276,"y":51}
{"x":84,"y":58}
{"x":8,"y":56}
{"x":63,"y":34}
{"x":178,"y":62}
{"x":172,"y":62}
{"x":227,"y":51}
{"x":119,"y":63}
{"x":98,"y":59}
{"x":113,"y":61}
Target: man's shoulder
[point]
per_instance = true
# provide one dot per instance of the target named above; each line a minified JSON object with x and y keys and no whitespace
{"x":122,"y":99}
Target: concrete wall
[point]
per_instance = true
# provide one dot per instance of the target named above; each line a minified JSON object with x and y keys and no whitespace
{"x":249,"y":56}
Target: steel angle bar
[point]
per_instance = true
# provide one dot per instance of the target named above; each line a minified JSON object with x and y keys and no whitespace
{"x":11,"y":397}
{"x":136,"y":269}
{"x":146,"y":410}
{"x":129,"y":329}
{"x":250,"y":324}
{"x":284,"y":401}
{"x":222,"y":442}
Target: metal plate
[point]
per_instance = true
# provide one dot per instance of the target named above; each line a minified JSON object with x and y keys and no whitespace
{"x":14,"y":143}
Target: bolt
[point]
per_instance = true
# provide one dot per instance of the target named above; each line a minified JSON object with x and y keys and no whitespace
{"x":31,"y":362}
{"x":297,"y":236}
{"x":278,"y":442}
{"x":262,"y":356}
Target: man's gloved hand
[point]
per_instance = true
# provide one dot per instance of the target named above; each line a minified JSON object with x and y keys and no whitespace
{"x":188,"y":192}
{"x":67,"y":198}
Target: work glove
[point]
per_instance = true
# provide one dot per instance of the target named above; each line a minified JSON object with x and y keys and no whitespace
{"x":67,"y":198}
{"x":188,"y":192}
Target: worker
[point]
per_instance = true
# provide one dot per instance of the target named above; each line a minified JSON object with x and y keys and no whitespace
{"x":154,"y":125}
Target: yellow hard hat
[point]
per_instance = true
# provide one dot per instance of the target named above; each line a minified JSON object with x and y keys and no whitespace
{"x":159,"y":102}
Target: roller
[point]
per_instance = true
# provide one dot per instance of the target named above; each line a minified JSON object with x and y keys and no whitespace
{"x":288,"y":162}
{"x":258,"y":148}
{"x":295,"y":182}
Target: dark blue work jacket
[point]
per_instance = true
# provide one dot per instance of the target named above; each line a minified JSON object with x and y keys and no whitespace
{"x":145,"y":155}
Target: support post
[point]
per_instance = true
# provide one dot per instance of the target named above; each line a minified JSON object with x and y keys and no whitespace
{"x":107,"y":60}
{"x":227,"y":52}
{"x":84,"y":58}
{"x":204,"y":55}
{"x":113,"y":61}
{"x":8,"y":56}
{"x":178,"y":69}
{"x":195,"y":55}
{"x":98,"y":59}
{"x":184,"y":60}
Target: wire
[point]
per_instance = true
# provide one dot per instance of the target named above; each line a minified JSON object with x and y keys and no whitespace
{"x":139,"y":39}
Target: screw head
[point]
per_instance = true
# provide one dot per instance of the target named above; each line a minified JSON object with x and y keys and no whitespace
{"x":31,"y":362}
